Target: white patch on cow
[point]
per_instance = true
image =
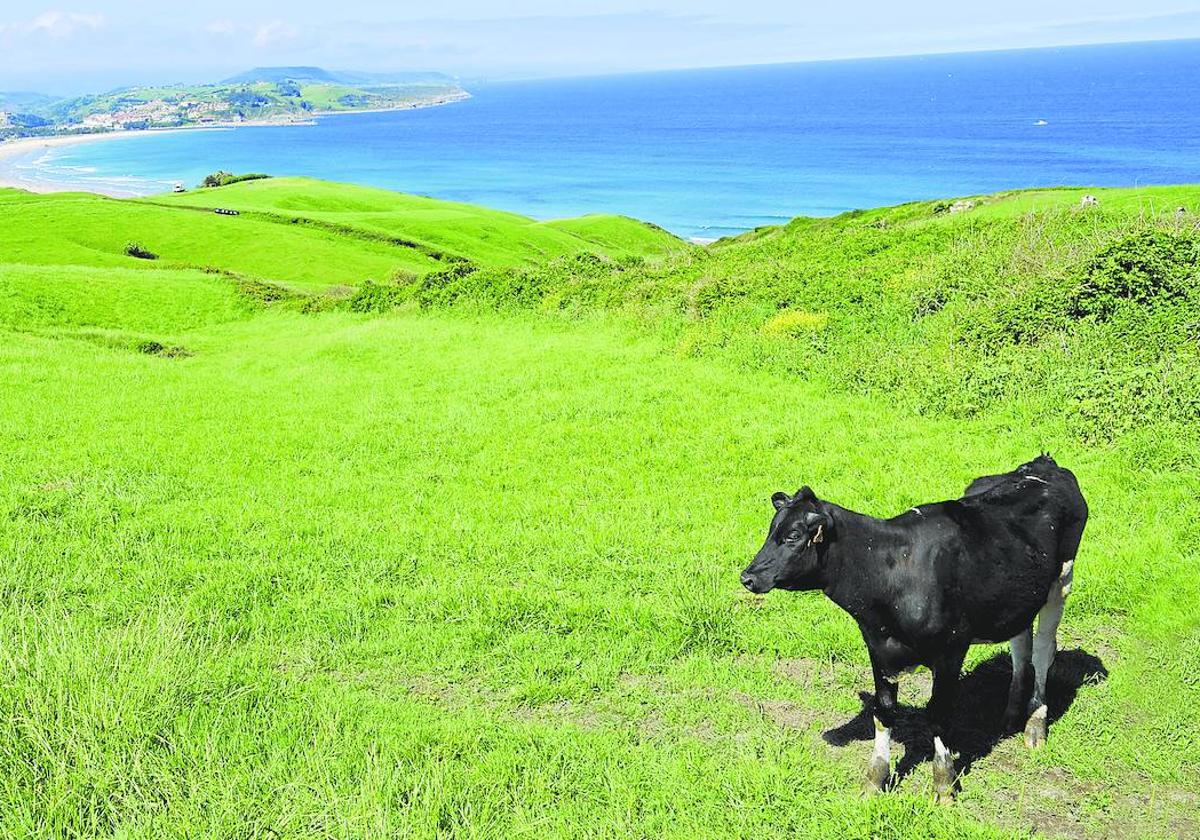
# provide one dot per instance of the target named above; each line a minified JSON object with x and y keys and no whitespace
{"x":1021,"y":646}
{"x":1067,"y":577}
{"x":883,"y":742}
{"x":940,"y":748}
{"x":1035,"y":478}
{"x":1045,"y":642}
{"x":917,"y":511}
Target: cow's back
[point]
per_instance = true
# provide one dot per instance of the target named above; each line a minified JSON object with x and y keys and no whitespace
{"x":1016,"y":533}
{"x":1035,"y":498}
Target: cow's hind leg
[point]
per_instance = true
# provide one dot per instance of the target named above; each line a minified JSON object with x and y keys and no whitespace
{"x":941,"y":710}
{"x":1045,"y":646}
{"x":1022,"y":670}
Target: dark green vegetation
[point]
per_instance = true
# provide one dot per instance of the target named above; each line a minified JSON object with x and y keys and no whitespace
{"x":274,"y":94}
{"x":1027,"y":305}
{"x":280,"y":564}
{"x":221,"y":178}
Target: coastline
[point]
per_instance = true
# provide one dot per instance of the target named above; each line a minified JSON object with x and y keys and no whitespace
{"x":10,"y":149}
{"x":23,"y":146}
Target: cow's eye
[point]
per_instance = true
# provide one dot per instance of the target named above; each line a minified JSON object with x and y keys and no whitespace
{"x":794,"y":537}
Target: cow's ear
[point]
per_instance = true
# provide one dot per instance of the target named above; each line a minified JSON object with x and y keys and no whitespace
{"x":806,"y":494}
{"x":819,"y":525}
{"x":779,"y":500}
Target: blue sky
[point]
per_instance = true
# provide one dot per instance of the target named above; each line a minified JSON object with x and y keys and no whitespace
{"x":95,"y":45}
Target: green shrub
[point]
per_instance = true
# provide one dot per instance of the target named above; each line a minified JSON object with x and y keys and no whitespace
{"x":138,"y":251}
{"x":444,"y":286}
{"x":157,"y":348}
{"x":262,"y":293}
{"x":1142,"y":268}
{"x":711,"y":292}
{"x":1017,"y":314}
{"x":221,"y":178}
{"x":375,"y":297}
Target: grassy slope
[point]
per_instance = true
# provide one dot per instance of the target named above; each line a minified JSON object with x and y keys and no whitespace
{"x":1084,"y":314}
{"x":371,"y":234}
{"x":488,"y":237}
{"x":431,"y":573}
{"x":38,"y":297}
{"x":90,"y":230}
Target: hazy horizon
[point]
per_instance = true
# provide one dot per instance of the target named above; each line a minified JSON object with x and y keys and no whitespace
{"x":584,"y":75}
{"x":83,"y":48}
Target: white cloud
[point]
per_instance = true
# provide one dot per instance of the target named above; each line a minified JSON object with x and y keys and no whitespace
{"x":59,"y":24}
{"x":274,"y":32}
{"x":221,"y":27}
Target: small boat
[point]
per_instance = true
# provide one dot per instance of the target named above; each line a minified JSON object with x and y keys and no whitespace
{"x":1041,"y":122}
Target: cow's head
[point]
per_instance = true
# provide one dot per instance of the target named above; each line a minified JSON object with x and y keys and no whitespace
{"x":791,"y":556}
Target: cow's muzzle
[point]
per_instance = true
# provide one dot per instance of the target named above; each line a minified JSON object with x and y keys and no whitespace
{"x":756,"y":584}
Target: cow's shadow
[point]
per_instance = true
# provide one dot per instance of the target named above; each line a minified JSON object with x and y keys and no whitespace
{"x":978,"y":719}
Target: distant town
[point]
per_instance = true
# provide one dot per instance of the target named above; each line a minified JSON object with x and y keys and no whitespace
{"x":265,"y":95}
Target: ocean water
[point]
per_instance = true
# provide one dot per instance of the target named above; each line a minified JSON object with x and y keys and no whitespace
{"x":707,"y":153}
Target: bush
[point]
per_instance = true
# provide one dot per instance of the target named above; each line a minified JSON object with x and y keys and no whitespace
{"x":138,"y":251}
{"x":157,"y":348}
{"x":444,"y":286}
{"x":1023,"y":314}
{"x":1142,"y":268}
{"x":375,"y":297}
{"x":263,"y":293}
{"x":221,"y":178}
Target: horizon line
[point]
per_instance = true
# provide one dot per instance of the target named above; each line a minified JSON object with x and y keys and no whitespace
{"x":505,"y":79}
{"x":839,"y":59}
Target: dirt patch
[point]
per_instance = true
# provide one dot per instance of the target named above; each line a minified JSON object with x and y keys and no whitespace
{"x":1051,"y":801}
{"x":824,"y":674}
{"x":783,"y":713}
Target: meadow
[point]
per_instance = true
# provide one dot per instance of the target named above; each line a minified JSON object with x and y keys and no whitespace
{"x":455,"y":552}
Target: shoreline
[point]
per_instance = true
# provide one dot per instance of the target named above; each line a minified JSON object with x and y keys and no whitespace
{"x":23,"y":146}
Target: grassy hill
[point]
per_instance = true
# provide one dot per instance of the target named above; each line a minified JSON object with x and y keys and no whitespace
{"x":301,"y":234}
{"x":1026,"y":303}
{"x":465,"y":563}
{"x":486,"y":237}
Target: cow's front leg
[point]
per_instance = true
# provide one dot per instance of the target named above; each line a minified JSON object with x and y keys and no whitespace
{"x":941,"y":712}
{"x":883,"y":711}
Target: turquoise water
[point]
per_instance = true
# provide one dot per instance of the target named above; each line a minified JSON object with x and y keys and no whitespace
{"x":710,"y":152}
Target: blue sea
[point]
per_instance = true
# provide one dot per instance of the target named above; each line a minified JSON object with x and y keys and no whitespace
{"x":706,"y":153}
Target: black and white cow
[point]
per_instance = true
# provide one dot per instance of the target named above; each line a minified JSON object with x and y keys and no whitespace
{"x":927,"y":584}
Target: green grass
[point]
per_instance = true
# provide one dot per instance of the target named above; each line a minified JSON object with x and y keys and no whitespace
{"x":90,"y":230}
{"x":487,"y":237}
{"x":466,"y":572}
{"x":33,"y":297}
{"x":357,"y":234}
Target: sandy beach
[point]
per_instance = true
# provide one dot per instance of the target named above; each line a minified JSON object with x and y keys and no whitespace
{"x":11,"y":150}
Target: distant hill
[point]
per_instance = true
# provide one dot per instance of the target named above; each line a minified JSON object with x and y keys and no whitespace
{"x":264,"y":94}
{"x":23,"y":100}
{"x":276,"y":75}
{"x":282,"y":74}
